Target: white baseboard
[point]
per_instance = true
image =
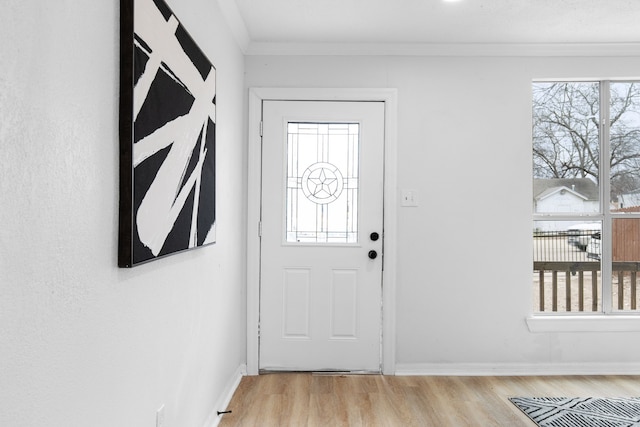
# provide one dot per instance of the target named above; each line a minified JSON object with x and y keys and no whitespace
{"x":516,"y":369}
{"x":214,"y":419}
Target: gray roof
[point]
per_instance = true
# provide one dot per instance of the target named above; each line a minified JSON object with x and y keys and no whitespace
{"x":583,"y":186}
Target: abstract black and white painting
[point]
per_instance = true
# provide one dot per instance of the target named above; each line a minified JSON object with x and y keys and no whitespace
{"x":167,"y":136}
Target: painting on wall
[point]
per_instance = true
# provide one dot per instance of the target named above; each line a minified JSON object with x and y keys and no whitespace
{"x":167,"y":136}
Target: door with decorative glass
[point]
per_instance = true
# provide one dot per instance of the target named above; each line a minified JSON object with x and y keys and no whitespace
{"x":321,"y":244}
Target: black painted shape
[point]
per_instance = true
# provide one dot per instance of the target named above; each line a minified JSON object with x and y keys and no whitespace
{"x":207,"y":203}
{"x":195,"y":54}
{"x":170,"y":72}
{"x":178,"y":237}
{"x":143,"y":44}
{"x":164,"y":9}
{"x":144,"y":174}
{"x":193,"y":161}
{"x":166,"y":101}
{"x":141,"y":253}
{"x":139,"y":64}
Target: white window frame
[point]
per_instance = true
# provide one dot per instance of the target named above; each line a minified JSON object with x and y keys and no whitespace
{"x":607,"y":320}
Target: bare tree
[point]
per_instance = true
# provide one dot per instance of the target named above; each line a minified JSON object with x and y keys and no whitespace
{"x":566,"y":123}
{"x":625,"y":137}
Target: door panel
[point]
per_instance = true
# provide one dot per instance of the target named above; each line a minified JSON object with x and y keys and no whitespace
{"x":344,"y":304}
{"x":296,"y":303}
{"x":322,"y":197}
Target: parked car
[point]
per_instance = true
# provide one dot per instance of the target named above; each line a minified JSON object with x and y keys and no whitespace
{"x":579,"y":235}
{"x":594,"y":249}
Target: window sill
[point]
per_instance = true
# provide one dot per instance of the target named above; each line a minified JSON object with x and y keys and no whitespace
{"x":584,"y":323}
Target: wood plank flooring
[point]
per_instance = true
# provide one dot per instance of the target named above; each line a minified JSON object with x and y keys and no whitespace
{"x":306,"y":399}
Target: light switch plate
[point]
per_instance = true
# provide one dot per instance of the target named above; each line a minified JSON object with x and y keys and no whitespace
{"x":409,"y":198}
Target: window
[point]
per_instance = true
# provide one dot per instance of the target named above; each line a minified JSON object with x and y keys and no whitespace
{"x":322,"y":183}
{"x":586,"y":197}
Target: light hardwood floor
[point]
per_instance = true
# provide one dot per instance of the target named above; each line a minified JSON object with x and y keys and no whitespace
{"x":306,"y":399}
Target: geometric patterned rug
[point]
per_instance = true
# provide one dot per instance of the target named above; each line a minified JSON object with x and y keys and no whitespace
{"x":580,"y":411}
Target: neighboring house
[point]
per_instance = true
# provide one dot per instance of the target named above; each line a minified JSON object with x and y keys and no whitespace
{"x":629,"y":202}
{"x":559,"y":195}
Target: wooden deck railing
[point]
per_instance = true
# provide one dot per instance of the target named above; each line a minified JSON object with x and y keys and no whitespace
{"x":580,"y":281}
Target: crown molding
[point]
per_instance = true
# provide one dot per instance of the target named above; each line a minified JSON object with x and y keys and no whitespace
{"x":236,"y":23}
{"x":445,"y":49}
{"x":238,"y":28}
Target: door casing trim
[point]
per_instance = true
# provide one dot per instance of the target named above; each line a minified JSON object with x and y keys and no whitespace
{"x":254,"y":174}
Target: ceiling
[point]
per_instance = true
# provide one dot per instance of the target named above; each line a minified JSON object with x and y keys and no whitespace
{"x":280,"y":23}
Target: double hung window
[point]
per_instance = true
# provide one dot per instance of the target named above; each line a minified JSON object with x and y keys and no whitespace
{"x":586,"y":196}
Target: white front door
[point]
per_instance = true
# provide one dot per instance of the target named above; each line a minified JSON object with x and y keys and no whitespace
{"x":322,"y":237}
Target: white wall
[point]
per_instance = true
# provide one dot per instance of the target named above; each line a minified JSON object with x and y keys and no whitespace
{"x":83,"y":343}
{"x":464,"y":263}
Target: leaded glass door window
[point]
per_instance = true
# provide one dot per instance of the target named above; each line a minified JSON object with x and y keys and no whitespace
{"x":322,"y":183}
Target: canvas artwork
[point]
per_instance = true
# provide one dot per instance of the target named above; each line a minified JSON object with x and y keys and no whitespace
{"x":167,"y":136}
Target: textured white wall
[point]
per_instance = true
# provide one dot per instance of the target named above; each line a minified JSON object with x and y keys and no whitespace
{"x":83,"y":343}
{"x":464,"y":263}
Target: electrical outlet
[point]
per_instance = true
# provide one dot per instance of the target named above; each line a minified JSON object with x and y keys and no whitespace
{"x":160,"y":417}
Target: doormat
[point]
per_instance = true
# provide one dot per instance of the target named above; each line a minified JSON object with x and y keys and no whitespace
{"x":580,"y":411}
